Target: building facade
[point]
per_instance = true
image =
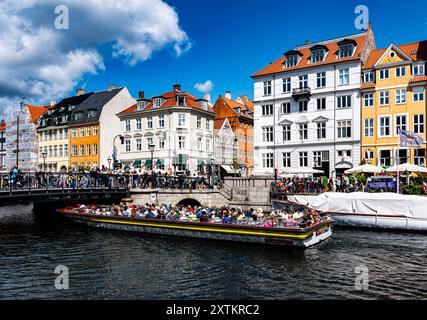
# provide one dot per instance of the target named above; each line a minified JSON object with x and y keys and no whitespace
{"x":177,"y":124}
{"x":394,"y":100}
{"x":307,"y":107}
{"x":2,"y":145}
{"x":239,"y":113}
{"x":225,"y":146}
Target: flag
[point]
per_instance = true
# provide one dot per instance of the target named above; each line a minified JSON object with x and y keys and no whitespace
{"x":408,"y":139}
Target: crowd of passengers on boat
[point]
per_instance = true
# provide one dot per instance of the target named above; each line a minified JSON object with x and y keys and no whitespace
{"x":296,"y":217}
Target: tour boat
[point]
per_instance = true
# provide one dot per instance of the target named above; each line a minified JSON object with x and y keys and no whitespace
{"x":371,"y":210}
{"x":285,"y":236}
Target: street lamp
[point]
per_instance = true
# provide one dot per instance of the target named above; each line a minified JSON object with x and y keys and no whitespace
{"x":151,"y":147}
{"x":109,"y":163}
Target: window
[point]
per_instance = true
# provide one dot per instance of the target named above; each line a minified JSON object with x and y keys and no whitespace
{"x":88,"y":149}
{"x":88,"y":131}
{"x":91,"y":114}
{"x":368,"y":99}
{"x":55,"y":134}
{"x":161,"y":143}
{"x":321,"y":79}
{"x":321,"y":103}
{"x":321,"y":130}
{"x":402,"y":156}
{"x":317,"y":159}
{"x":344,"y":129}
{"x":302,"y":105}
{"x":82,"y":132}
{"x":384,"y":74}
{"x":267,"y":160}
{"x":150,"y":122}
{"x":181,"y":142}
{"x":74,"y":151}
{"x":95,"y":130}
{"x":384,"y":124}
{"x":267,"y":88}
{"x":138,"y":124}
{"x":401,"y":96}
{"x":95,"y":149}
{"x":419,"y":123}
{"x":420,"y":157}
{"x":199,"y":144}
{"x":162,"y":121}
{"x":303,"y":159}
{"x":286,"y":159}
{"x":66,"y":150}
{"x":418,"y":70}
{"x":291,"y":61}
{"x":78,"y":116}
{"x":199,"y":122}
{"x":303,"y":131}
{"x":140,"y":104}
{"x":127,"y":146}
{"x":286,"y":108}
{"x":400,"y":123}
{"x":181,"y":120}
{"x":157,"y":102}
{"x":267,"y":134}
{"x":286,"y":132}
{"x":61,"y":151}
{"x":82,"y":150}
{"x":369,"y":127}
{"x":208,"y":145}
{"x":208,"y":125}
{"x":267,"y":110}
{"x":344,"y":102}
{"x":400,"y":72}
{"x":138,"y":144}
{"x":384,"y":98}
{"x":344,"y":76}
{"x":55,"y":151}
{"x":418,"y":94}
{"x":346,"y":50}
{"x":369,"y":154}
{"x":286,"y":85}
{"x":317,"y":55}
{"x":150,"y":141}
{"x":303,"y":81}
{"x":369,"y":76}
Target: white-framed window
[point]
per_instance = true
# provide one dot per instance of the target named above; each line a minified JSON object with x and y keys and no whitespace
{"x":321,"y":103}
{"x":317,"y":55}
{"x":303,"y":81}
{"x":384,"y":74}
{"x":346,"y":50}
{"x":150,"y":141}
{"x":199,"y":122}
{"x":344,"y":76}
{"x":401,"y":96}
{"x":161,"y":121}
{"x":420,"y":157}
{"x":267,"y":110}
{"x":344,"y":102}
{"x":344,"y":153}
{"x":369,"y":154}
{"x":139,"y":124}
{"x":267,"y":134}
{"x":344,"y":129}
{"x":88,"y":149}
{"x":419,"y":123}
{"x":61,"y":150}
{"x":268,"y":160}
{"x":267,"y":88}
{"x":321,"y":130}
{"x":181,"y":119}
{"x":286,"y":132}
{"x":181,"y":142}
{"x":418,"y":69}
{"x":66,"y":150}
{"x":88,"y":131}
{"x":303,"y":159}
{"x":321,"y":79}
{"x":302,"y":105}
{"x":74,"y":151}
{"x":418,"y":94}
{"x":291,"y":61}
{"x":55,"y":151}
{"x":401,"y":123}
{"x":286,"y":159}
{"x":161,"y":143}
{"x":82,"y":150}
{"x":400,"y":72}
{"x":402,"y":156}
{"x":384,"y":98}
{"x":66,"y":133}
{"x":127,"y":145}
{"x":150,"y":122}
{"x":286,"y":107}
{"x":157,"y":102}
{"x":95,"y":130}
{"x":369,"y":127}
{"x":384,"y":124}
{"x":286,"y":85}
{"x":138,"y":144}
{"x":73,"y":133}
{"x":208,"y":144}
{"x":95,"y":149}
{"x":82,"y":132}
{"x":369,"y":77}
{"x":368,"y":99}
{"x":199,"y":144}
{"x":303,"y":131}
{"x":208,"y":125}
{"x":317,"y":159}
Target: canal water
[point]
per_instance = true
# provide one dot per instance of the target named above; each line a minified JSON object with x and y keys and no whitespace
{"x":107,"y":264}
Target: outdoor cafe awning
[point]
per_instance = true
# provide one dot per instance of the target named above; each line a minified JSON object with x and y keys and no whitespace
{"x":159,"y":162}
{"x":137,"y":163}
{"x":147,"y":163}
{"x":201,"y":163}
{"x":228,"y":168}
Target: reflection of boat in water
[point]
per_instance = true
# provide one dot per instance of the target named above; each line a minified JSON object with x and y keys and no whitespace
{"x":276,"y":235}
{"x":372,"y":210}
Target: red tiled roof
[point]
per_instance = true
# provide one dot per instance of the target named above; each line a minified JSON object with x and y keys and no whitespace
{"x":417,"y":51}
{"x":304,"y":61}
{"x":218,"y":123}
{"x":248,"y":103}
{"x":418,"y":79}
{"x":234,"y":104}
{"x":367,"y":85}
{"x":36,"y":112}
{"x":3,"y":125}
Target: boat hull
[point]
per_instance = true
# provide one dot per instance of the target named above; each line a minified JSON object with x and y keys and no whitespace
{"x":272,"y":236}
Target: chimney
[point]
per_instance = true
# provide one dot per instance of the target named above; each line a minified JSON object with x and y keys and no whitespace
{"x":246,"y":97}
{"x":111,"y":87}
{"x":141,"y":94}
{"x":307,"y":42}
{"x":177,"y":87}
{"x":228,"y":95}
{"x":207,"y":97}
{"x":80,"y":91}
{"x":52,"y":103}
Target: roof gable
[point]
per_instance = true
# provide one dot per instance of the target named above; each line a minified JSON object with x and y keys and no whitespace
{"x":392,"y":55}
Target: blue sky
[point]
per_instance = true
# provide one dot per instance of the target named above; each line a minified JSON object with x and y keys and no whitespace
{"x":230,"y":40}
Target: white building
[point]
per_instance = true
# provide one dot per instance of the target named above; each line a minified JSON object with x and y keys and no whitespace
{"x":307,"y":106}
{"x":225,"y":144}
{"x":179,"y":125}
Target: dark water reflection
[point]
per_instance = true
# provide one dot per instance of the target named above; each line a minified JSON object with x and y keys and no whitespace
{"x":118,"y":265}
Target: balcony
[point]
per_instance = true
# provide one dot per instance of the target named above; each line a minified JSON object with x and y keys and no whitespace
{"x":301,"y":93}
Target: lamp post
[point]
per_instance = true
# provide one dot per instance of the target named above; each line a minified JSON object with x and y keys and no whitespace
{"x":151,"y":147}
{"x":109,"y":163}
{"x":122,"y":139}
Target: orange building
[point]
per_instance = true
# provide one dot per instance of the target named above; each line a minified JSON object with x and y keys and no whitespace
{"x":239,"y":113}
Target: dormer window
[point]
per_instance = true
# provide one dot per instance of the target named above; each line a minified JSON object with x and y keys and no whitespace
{"x":78,"y":116}
{"x":141,"y":104}
{"x":180,"y":101}
{"x":317,"y":55}
{"x":346,"y":50}
{"x":70,"y":108}
{"x":237,"y":110}
{"x":157,"y":102}
{"x":91,"y":113}
{"x":49,"y":112}
{"x":291,"y":61}
{"x":203,"y":103}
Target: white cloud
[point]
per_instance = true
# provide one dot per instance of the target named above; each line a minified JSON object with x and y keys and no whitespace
{"x":42,"y":63}
{"x":204,"y":87}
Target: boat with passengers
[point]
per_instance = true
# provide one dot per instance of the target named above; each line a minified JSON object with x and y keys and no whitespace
{"x":298,"y":226}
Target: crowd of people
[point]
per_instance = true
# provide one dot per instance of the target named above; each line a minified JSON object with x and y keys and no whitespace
{"x":300,"y":217}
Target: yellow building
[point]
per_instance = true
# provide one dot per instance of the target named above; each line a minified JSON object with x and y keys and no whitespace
{"x":394,"y":99}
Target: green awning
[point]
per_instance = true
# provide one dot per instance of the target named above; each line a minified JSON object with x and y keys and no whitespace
{"x":159,"y":162}
{"x":137,"y":163}
{"x":201,"y":163}
{"x":147,"y":163}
